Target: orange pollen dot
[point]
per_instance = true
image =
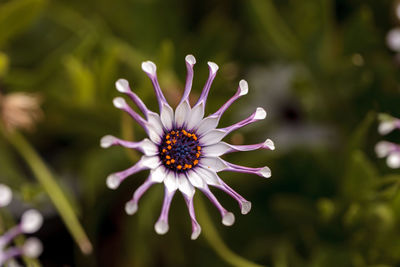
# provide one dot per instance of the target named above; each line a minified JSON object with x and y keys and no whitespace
{"x":198,"y":148}
{"x":189,"y":134}
{"x":167,"y":137}
{"x":164,"y":150}
{"x":173,"y":132}
{"x":168,"y":162}
{"x":190,"y":166}
{"x":168,"y":157}
{"x":179,"y":167}
{"x":172,"y":161}
{"x":168,"y":142}
{"x":197,"y":155}
{"x":195,"y":162}
{"x":195,"y":137}
{"x":169,"y":147}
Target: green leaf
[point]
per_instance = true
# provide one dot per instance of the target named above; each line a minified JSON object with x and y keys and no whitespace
{"x":16,"y":16}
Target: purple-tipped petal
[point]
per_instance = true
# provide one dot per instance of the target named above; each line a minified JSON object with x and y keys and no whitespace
{"x":223,"y":148}
{"x":7,"y":237}
{"x":241,"y":91}
{"x":115,"y":179}
{"x":120,"y":103}
{"x":145,"y":146}
{"x":122,"y":86}
{"x":132,"y":205}
{"x":151,"y":70}
{"x":213,"y":72}
{"x":227,"y":217}
{"x":161,"y":225}
{"x":262,"y":171}
{"x":245,"y":205}
{"x":259,"y":114}
{"x":196,"y":229}
{"x":190,"y":61}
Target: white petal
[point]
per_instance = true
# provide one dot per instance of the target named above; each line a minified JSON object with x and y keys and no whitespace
{"x":154,"y":127}
{"x":131,"y":207}
{"x":122,"y":85}
{"x":246,"y":207}
{"x":149,"y":148}
{"x":190,"y":59}
{"x":171,"y":182}
{"x":196,"y":233}
{"x":386,"y":127}
{"x":266,"y":172}
{"x":31,"y":221}
{"x":182,"y":114}
{"x":244,"y":87}
{"x":260,"y":114}
{"x":215,"y":150}
{"x":161,"y":227}
{"x":32,"y":247}
{"x":212,"y":137}
{"x":393,"y":160}
{"x":206,"y":125}
{"x":209,"y":176}
{"x":5,"y":195}
{"x":196,"y":115}
{"x":383,"y":148}
{"x":167,"y":116}
{"x":119,"y":102}
{"x":228,"y":219}
{"x":150,"y":162}
{"x":149,"y":67}
{"x":158,"y":174}
{"x":113,"y":181}
{"x":213,"y":163}
{"x":269,"y":144}
{"x":214,"y":67}
{"x":195,"y":179}
{"x":107,"y":141}
{"x":185,"y":186}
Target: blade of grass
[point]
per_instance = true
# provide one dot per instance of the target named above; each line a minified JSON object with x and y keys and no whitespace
{"x":216,"y":242}
{"x":57,"y":196}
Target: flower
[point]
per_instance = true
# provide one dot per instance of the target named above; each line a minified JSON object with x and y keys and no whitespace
{"x":390,"y":150}
{"x":31,"y":221}
{"x":20,"y":111}
{"x":184,"y":148}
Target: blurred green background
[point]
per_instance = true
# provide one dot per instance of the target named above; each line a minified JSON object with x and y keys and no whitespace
{"x":321,"y":69}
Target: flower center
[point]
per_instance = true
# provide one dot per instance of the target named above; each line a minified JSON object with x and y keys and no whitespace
{"x":180,"y":150}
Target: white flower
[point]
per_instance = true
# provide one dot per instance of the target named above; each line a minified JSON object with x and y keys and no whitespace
{"x":390,"y":150}
{"x":184,"y":147}
{"x":31,"y":221}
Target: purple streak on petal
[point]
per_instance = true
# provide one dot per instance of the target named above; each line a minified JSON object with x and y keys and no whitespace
{"x":122,"y":175}
{"x":9,"y":254}
{"x":236,"y":148}
{"x":213,"y":72}
{"x":262,"y":171}
{"x":123,"y":87}
{"x":214,"y":200}
{"x":151,"y":71}
{"x":138,"y":195}
{"x":162,"y":222}
{"x":190,"y":61}
{"x":10,"y":235}
{"x":195,"y":225}
{"x":109,"y":140}
{"x":225,"y":106}
{"x":227,"y":189}
{"x":252,"y":118}
{"x":120,"y":103}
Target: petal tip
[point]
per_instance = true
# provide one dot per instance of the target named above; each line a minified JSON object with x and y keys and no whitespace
{"x":122,"y":85}
{"x":196,"y":233}
{"x":119,"y":102}
{"x":382,"y":149}
{"x":149,"y":67}
{"x":269,"y":144}
{"x":190,"y":59}
{"x":260,"y":114}
{"x":107,"y":141}
{"x":393,"y":160}
{"x":32,"y":247}
{"x":244,"y":87}
{"x":213,"y":67}
{"x":228,"y":219}
{"x":161,"y":227}
{"x":113,"y":181}
{"x":246,"y":207}
{"x":265,"y":172}
{"x":5,"y":195}
{"x":131,"y":207}
{"x":31,"y":221}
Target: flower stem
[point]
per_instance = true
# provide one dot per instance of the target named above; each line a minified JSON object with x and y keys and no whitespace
{"x":45,"y":177}
{"x":216,"y":242}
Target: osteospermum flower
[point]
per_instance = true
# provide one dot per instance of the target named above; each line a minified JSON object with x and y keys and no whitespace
{"x":31,"y":221}
{"x":390,"y":150}
{"x":184,"y":147}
